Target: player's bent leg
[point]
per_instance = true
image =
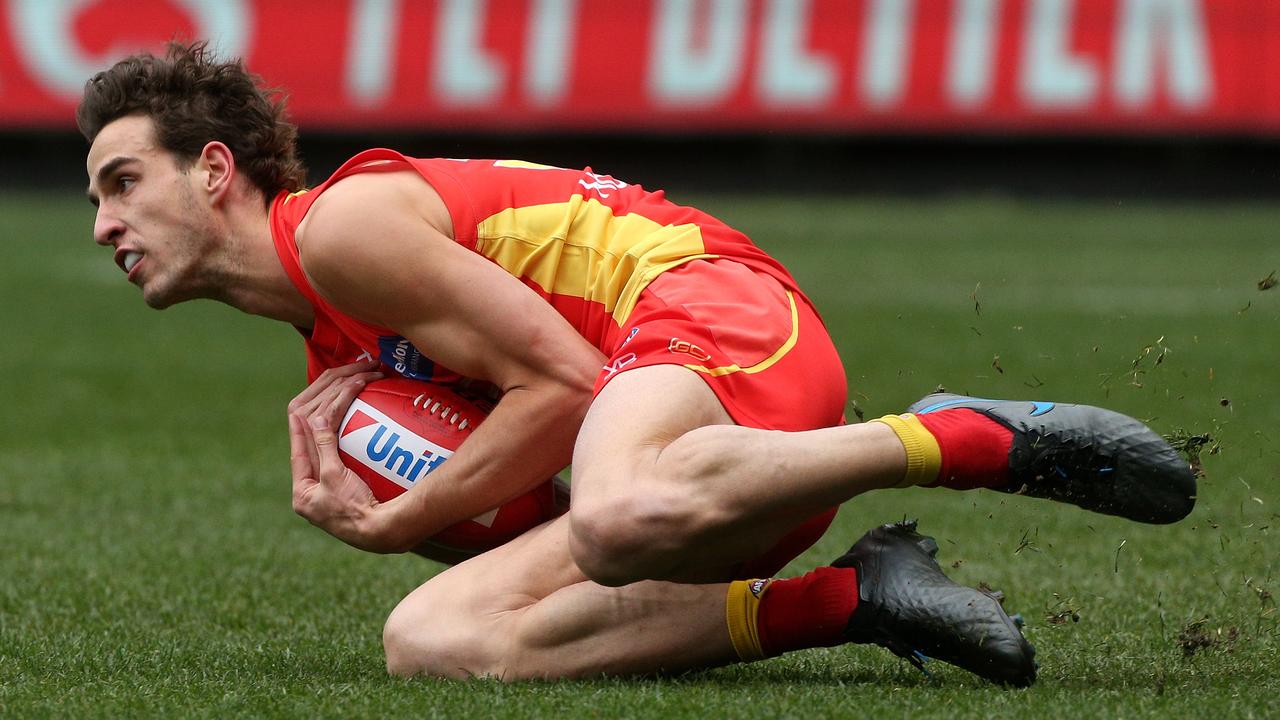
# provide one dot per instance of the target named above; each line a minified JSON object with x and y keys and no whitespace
{"x":666,"y":486}
{"x":524,"y":611}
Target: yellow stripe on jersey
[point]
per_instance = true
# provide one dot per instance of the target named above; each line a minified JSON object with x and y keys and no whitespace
{"x":766,"y":363}
{"x":524,"y":164}
{"x":581,"y":249}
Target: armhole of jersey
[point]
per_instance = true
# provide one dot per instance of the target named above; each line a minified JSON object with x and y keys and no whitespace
{"x":456,"y":199}
{"x":452,"y":191}
{"x":284,"y":237}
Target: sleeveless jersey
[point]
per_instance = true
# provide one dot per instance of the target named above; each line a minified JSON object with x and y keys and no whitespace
{"x":588,"y":244}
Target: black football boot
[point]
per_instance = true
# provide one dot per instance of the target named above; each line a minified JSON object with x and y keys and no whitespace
{"x":907,"y":604}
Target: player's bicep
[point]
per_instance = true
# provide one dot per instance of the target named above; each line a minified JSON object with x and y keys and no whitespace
{"x":396,"y":268}
{"x":491,"y":326}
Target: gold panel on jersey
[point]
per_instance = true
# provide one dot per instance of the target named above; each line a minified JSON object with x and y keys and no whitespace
{"x":581,"y":249}
{"x":523,"y":164}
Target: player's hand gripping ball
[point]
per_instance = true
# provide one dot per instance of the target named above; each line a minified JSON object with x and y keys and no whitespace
{"x":398,"y":431}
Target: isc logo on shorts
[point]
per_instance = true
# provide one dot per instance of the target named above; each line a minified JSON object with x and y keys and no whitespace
{"x":387,"y":447}
{"x":683,"y":346}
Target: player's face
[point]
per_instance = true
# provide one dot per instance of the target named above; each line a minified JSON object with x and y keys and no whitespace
{"x":150,"y":212}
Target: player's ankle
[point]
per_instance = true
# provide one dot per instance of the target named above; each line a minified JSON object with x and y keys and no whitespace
{"x":923,"y":454}
{"x":771,"y":617}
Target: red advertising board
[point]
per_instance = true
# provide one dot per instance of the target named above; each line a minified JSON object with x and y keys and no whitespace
{"x":1111,"y":66}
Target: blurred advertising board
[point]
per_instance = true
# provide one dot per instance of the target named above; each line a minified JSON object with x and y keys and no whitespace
{"x":1126,"y":67}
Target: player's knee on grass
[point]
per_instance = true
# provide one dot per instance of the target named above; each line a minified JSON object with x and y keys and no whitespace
{"x":458,"y":638}
{"x":400,"y":650}
{"x":409,"y":643}
{"x":432,"y":635}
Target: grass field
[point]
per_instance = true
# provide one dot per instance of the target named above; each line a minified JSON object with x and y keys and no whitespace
{"x":152,"y":566}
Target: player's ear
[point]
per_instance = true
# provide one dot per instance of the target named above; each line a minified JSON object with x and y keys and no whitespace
{"x":218,"y":166}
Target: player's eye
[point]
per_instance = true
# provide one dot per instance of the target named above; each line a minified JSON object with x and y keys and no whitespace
{"x":125,"y":182}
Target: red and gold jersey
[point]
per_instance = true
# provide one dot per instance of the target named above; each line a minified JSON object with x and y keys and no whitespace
{"x":587,"y":243}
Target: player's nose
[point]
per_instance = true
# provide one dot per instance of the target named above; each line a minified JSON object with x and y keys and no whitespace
{"x":107,"y":229}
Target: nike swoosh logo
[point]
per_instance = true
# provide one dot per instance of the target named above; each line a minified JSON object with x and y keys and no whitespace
{"x":1041,"y":408}
{"x":949,"y":403}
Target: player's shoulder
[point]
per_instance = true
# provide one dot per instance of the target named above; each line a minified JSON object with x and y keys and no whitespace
{"x":360,"y":204}
{"x":359,"y":195}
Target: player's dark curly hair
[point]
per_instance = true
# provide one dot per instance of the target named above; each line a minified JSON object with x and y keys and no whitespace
{"x":193,"y":98}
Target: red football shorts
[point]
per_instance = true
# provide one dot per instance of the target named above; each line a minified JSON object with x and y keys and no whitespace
{"x":761,"y":349}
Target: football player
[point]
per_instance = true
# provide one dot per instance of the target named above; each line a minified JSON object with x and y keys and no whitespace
{"x":681,"y":370}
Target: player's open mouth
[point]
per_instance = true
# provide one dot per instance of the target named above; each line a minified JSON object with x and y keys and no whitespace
{"x":128,"y":260}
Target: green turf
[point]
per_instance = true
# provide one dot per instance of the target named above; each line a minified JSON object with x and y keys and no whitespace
{"x":152,"y":565}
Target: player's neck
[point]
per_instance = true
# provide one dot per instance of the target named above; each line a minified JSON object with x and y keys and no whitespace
{"x":265,"y":290}
{"x":258,"y":284}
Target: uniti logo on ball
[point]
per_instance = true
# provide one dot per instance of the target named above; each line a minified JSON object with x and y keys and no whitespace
{"x":387,"y":447}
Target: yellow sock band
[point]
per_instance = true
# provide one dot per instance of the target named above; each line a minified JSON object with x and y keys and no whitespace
{"x":924,"y":457}
{"x":741,"y":609}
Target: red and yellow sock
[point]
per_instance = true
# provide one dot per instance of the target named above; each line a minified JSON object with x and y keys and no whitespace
{"x":959,"y":449}
{"x":771,"y":617}
{"x":924,"y":453}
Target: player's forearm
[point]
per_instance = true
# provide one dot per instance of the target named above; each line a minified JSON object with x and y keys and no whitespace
{"x":527,"y":439}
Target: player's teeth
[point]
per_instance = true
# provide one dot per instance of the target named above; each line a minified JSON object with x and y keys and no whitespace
{"x":131,"y":258}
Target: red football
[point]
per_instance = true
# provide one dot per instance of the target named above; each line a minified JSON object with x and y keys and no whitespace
{"x":398,"y":430}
